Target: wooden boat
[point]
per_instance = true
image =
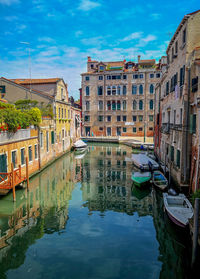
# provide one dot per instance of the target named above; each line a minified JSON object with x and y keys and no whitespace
{"x":143,"y":162}
{"x":141,"y":178}
{"x":159,"y":180}
{"x":178,"y":208}
{"x":79,"y":144}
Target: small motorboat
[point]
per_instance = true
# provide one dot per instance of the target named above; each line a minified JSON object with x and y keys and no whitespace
{"x":159,"y":180}
{"x":80,"y":145}
{"x":140,"y":179}
{"x":178,"y":208}
{"x":144,"y":163}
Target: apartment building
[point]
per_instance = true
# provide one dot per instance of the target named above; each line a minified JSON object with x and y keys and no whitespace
{"x":118,"y":98}
{"x":175,"y":101}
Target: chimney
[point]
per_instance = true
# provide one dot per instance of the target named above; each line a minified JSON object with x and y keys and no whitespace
{"x":139,"y":58}
{"x":89,"y":59}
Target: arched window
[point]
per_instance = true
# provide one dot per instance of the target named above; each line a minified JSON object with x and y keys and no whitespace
{"x":151,"y":104}
{"x":118,"y":105}
{"x":108,"y":90}
{"x":124,"y":89}
{"x":134,"y":89}
{"x":134,"y":105}
{"x":140,"y":105}
{"x":151,"y":89}
{"x":113,"y":105}
{"x":141,"y":89}
{"x":113,"y":90}
{"x":87,"y":90}
{"x":108,"y":105}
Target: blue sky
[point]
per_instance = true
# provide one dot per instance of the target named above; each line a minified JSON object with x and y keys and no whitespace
{"x":63,"y":33}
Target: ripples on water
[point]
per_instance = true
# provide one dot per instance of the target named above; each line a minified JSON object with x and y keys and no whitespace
{"x":82,"y":218}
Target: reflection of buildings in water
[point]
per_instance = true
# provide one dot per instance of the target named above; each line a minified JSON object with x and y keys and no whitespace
{"x":107,"y":181}
{"x":173,"y":252}
{"x":43,"y":209}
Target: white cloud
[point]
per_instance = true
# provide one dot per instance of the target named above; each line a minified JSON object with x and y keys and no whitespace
{"x":93,"y":41}
{"x":132,"y":36}
{"x":78,"y":33}
{"x":9,"y":2}
{"x":87,"y":5}
{"x":149,"y":38}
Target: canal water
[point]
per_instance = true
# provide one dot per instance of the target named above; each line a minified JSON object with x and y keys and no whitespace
{"x":83,"y":218}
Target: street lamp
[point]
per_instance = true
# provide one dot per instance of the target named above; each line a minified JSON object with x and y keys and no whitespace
{"x":29,"y":59}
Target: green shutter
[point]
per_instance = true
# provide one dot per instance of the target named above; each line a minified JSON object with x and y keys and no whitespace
{"x":52,"y":137}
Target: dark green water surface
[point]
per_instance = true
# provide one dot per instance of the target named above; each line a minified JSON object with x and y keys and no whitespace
{"x":82,"y":218}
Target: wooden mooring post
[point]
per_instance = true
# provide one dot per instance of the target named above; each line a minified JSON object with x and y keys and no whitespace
{"x":13,"y":182}
{"x":195,"y":231}
{"x":27,"y":174}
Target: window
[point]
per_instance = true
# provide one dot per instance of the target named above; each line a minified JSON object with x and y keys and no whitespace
{"x":87,"y":118}
{"x":100,"y":128}
{"x":124,"y":130}
{"x":151,"y":89}
{"x":41,"y":139}
{"x":174,"y":116}
{"x":108,"y":90}
{"x":124,"y":89}
{"x":113,"y":105}
{"x":124,"y":76}
{"x":167,"y":88}
{"x":36,"y":151}
{"x":52,"y":137}
{"x":151,"y":104}
{"x":151,"y":75}
{"x":141,"y":89}
{"x":134,"y":89}
{"x":47,"y":140}
{"x":100,"y":77}
{"x":118,"y":90}
{"x":182,"y":75}
{"x":195,"y":84}
{"x":59,"y":112}
{"x":118,"y":105}
{"x":140,"y":118}
{"x":101,"y":68}
{"x":140,"y":129}
{"x":118,"y":118}
{"x":140,"y":105}
{"x":100,"y":105}
{"x":176,"y":47}
{"x":150,"y":118}
{"x":30,"y":154}
{"x":100,"y":118}
{"x":109,"y":118}
{"x":135,"y":76}
{"x":124,"y":105}
{"x":124,"y":118}
{"x":134,"y":129}
{"x":193,"y":123}
{"x":87,"y":91}
{"x":23,"y":156}
{"x":108,"y":105}
{"x":178,"y":157}
{"x":92,"y":66}
{"x":87,"y":78}
{"x":114,"y":91}
{"x":141,"y":75}
{"x":181,"y":116}
{"x":108,"y":77}
{"x":158,"y":75}
{"x":87,"y":105}
{"x":100,"y":90}
{"x":184,"y":36}
{"x":134,"y":105}
{"x":172,"y":153}
{"x":150,"y":128}
{"x":134,"y":118}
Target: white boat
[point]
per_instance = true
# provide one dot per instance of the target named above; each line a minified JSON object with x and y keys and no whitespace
{"x":143,"y":162}
{"x":178,"y":208}
{"x":159,"y":180}
{"x":79,"y":144}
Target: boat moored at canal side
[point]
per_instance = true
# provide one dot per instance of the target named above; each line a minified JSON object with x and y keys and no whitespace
{"x":140,"y":179}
